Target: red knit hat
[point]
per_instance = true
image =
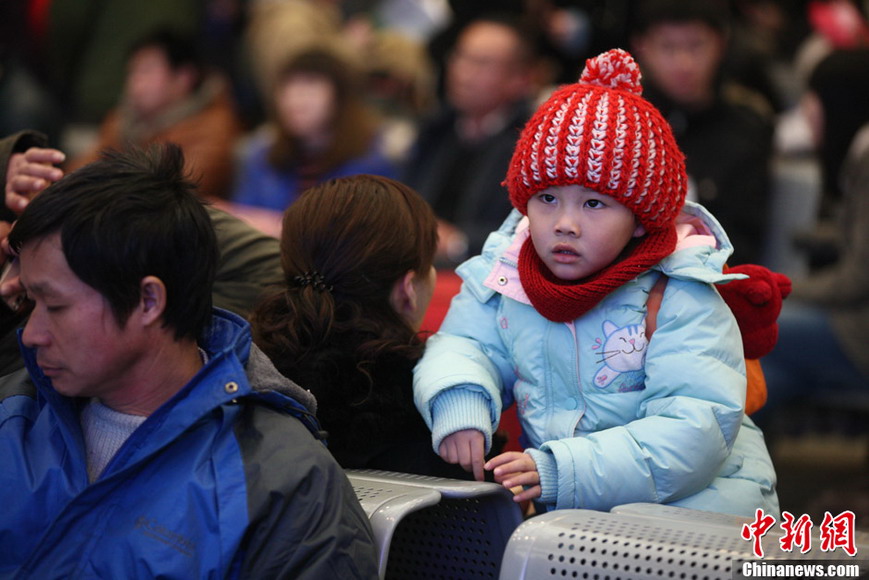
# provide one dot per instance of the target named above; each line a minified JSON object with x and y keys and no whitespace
{"x":601,"y":134}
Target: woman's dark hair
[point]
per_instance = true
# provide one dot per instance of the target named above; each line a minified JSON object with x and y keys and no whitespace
{"x":345,"y":243}
{"x":354,"y":125}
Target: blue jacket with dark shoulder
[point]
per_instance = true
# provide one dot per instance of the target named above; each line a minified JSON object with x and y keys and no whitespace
{"x":226,"y":479}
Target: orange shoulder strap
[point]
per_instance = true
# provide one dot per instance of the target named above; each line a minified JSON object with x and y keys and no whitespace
{"x":755,"y":396}
{"x":653,"y":304}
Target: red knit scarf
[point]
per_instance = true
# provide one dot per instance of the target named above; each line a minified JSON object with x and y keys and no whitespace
{"x":561,"y":301}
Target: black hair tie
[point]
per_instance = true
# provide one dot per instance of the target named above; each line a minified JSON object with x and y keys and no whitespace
{"x":313,"y":279}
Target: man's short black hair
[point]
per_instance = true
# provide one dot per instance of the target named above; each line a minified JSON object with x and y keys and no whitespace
{"x":129,"y":215}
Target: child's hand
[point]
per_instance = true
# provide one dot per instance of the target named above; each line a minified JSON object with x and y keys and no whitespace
{"x":467,"y":448}
{"x":516,"y":469}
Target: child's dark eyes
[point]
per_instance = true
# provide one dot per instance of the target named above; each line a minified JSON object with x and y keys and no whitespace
{"x":549,"y":198}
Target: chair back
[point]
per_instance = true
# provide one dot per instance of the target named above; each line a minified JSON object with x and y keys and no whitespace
{"x":431,"y":527}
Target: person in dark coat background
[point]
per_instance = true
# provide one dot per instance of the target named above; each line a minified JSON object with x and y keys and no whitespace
{"x":461,"y":153}
{"x":724,"y":129}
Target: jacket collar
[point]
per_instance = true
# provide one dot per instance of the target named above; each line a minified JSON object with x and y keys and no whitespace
{"x":504,"y":276}
{"x":236,"y":372}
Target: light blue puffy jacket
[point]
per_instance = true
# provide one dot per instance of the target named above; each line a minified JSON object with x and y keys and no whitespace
{"x":610,"y":418}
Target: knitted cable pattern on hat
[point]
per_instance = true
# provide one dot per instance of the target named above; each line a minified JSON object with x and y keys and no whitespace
{"x":600,"y":134}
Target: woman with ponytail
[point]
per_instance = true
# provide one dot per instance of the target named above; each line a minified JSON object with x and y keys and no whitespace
{"x":357,"y":258}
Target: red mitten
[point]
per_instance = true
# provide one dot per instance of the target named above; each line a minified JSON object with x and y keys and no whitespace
{"x":756,"y":302}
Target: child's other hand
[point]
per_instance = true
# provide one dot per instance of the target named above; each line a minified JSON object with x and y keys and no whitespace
{"x":467,"y":448}
{"x":516,"y":469}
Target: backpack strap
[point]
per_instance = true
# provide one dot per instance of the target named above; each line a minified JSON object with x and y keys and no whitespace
{"x":755,"y":381}
{"x":653,"y":304}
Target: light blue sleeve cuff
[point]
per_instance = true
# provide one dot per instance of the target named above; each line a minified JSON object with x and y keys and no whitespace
{"x":547,"y":469}
{"x":457,"y":409}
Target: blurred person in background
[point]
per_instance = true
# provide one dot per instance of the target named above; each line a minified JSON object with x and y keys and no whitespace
{"x":25,"y":100}
{"x":462,"y":152}
{"x":169,"y":96}
{"x":322,"y":128}
{"x":724,"y":129}
{"x":400,"y":84}
{"x":80,"y":48}
{"x":824,"y":325}
{"x":764,"y":37}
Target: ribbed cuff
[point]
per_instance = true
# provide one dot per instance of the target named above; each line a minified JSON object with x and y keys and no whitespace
{"x":547,"y":469}
{"x":458,"y":409}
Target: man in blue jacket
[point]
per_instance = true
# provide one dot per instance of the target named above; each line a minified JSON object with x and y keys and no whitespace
{"x":148,"y":436}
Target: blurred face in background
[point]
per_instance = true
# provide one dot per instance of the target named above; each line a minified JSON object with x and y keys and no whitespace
{"x":486,"y":70}
{"x":305,"y":105}
{"x":682,"y":60}
{"x":152,"y":85}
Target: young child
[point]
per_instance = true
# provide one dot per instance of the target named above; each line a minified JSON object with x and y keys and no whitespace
{"x":552,"y":316}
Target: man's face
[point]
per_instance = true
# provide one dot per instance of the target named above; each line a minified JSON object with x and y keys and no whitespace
{"x":682,"y":59}
{"x":484,"y":71}
{"x":79,"y":344}
{"x":152,"y":84}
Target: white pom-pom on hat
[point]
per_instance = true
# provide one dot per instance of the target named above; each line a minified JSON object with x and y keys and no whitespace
{"x":614,"y":69}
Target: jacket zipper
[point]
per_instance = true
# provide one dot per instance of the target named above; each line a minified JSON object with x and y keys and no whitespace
{"x":581,"y":403}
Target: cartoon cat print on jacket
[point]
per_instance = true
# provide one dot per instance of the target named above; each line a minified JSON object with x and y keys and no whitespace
{"x":623,"y":356}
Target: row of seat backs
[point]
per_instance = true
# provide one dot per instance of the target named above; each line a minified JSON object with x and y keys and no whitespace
{"x":435,"y":528}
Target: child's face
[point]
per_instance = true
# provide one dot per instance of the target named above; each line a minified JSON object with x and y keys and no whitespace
{"x":578,"y":232}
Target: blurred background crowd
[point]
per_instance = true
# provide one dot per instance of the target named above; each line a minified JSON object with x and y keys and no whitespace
{"x":767,"y":98}
{"x":269,"y":97}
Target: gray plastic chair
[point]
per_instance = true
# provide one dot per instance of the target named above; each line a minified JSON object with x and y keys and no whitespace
{"x":668,"y":512}
{"x":637,"y":541}
{"x":431,"y":527}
